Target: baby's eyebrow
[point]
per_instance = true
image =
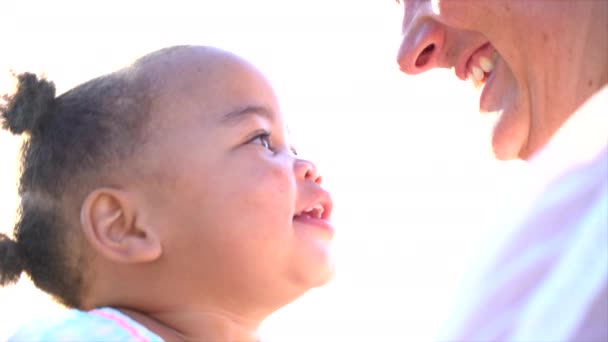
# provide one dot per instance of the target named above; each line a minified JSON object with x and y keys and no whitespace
{"x":238,"y":115}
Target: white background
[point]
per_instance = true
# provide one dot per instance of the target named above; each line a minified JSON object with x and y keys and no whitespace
{"x":406,"y":158}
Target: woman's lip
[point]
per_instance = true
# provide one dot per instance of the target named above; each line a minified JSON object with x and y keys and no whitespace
{"x":315,"y":222}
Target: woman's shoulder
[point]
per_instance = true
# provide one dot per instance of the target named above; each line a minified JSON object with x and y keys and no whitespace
{"x":104,"y":324}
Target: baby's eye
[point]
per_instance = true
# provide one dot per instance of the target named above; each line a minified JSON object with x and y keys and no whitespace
{"x":293,"y":150}
{"x":262,"y":139}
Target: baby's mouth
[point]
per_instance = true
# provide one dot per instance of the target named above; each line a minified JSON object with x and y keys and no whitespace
{"x":481,"y":64}
{"x":315,"y":211}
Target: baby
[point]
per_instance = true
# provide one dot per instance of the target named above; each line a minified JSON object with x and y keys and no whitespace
{"x":163,"y":202}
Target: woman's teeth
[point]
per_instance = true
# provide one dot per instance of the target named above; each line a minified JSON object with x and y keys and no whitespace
{"x":478,"y":73}
{"x":486,"y":64}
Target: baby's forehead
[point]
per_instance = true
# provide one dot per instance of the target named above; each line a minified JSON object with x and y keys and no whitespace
{"x":182,"y":65}
{"x":205,"y":79}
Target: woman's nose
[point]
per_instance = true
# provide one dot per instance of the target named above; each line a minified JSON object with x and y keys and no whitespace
{"x":421,"y":46}
{"x":306,"y":170}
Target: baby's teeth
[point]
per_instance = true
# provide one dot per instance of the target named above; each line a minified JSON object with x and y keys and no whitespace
{"x":477,"y":74}
{"x":318,"y":211}
{"x":486,"y":64}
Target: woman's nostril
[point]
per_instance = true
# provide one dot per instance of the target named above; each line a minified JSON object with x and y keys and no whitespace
{"x":425,"y":56}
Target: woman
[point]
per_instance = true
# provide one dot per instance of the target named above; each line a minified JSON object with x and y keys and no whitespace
{"x":542,"y":67}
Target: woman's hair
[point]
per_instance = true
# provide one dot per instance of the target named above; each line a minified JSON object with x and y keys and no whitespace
{"x":72,"y":142}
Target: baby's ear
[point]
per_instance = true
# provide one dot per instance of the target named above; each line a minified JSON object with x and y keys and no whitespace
{"x":109,"y":219}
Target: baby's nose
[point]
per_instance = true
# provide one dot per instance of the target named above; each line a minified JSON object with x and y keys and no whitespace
{"x":307,"y":170}
{"x":420,"y":47}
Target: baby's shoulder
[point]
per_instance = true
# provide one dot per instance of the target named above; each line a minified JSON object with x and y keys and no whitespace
{"x":103,"y":324}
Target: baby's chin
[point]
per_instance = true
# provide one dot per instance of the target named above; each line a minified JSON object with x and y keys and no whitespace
{"x":323,"y":277}
{"x":312,"y":278}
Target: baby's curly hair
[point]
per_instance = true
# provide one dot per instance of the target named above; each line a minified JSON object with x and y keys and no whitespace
{"x":72,"y":142}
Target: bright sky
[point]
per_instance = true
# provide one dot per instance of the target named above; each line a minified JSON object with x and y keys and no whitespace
{"x":406,"y":158}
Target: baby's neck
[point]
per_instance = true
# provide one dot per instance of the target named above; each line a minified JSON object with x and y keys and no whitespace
{"x":197,"y":326}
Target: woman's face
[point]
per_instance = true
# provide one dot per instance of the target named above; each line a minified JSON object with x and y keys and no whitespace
{"x":244,"y":221}
{"x":525,"y":55}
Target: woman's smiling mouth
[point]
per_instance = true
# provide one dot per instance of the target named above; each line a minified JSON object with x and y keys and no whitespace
{"x":480,"y":64}
{"x":479,"y":68}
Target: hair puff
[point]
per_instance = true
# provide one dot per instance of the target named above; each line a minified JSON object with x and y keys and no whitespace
{"x":11,"y":264}
{"x":25,"y":110}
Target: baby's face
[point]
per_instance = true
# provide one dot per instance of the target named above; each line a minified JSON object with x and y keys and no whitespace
{"x":227,"y":191}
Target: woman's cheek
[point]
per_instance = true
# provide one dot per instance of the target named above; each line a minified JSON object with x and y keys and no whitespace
{"x":463,"y":14}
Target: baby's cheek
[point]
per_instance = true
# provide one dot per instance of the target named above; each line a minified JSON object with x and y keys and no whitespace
{"x":282,"y":182}
{"x":280,"y":191}
{"x":267,"y":189}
